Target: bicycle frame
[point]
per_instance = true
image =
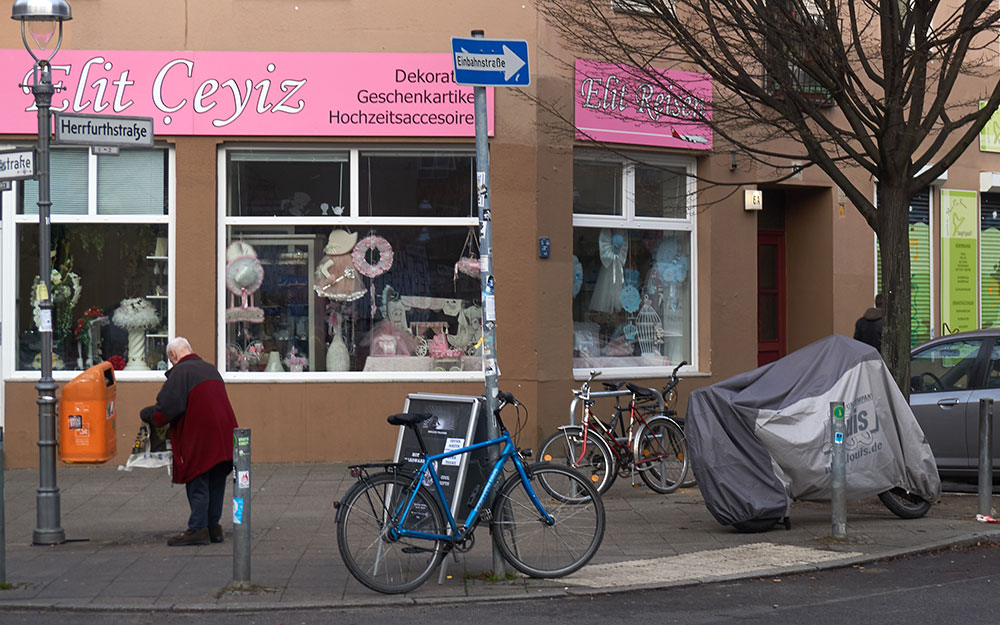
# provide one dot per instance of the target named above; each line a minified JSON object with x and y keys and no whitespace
{"x":459,"y":533}
{"x":622,"y":451}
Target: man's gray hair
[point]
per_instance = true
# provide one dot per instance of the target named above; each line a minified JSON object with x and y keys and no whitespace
{"x":178,"y":344}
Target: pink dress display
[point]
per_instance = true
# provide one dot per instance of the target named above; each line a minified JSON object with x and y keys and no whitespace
{"x":337,"y":279}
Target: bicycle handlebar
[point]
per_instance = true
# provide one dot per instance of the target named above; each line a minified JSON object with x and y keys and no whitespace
{"x":673,"y":378}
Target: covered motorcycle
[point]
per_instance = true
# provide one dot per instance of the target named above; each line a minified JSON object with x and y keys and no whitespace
{"x":762,"y":439}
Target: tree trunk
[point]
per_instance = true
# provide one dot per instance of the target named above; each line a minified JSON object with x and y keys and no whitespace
{"x":894,"y":252}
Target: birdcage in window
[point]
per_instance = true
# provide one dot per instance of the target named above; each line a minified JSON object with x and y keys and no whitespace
{"x":650,"y":329}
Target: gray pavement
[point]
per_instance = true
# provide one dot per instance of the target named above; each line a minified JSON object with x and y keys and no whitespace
{"x":117,"y":523}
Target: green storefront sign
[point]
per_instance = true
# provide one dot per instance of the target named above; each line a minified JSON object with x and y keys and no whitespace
{"x":959,"y":261}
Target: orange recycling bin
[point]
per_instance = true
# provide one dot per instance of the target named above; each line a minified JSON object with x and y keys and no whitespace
{"x":87,"y":416}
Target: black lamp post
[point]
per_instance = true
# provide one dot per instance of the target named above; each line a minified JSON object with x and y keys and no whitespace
{"x":39,"y":21}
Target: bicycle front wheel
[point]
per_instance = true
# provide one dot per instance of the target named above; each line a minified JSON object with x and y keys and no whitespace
{"x":539,"y":548}
{"x":376,"y":559}
{"x":594,"y":461}
{"x":661,"y":454}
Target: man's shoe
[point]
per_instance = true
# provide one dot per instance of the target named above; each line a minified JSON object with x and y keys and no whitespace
{"x":215,"y":533}
{"x":190,"y":537}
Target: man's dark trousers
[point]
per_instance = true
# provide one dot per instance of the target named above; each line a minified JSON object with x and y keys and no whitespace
{"x":205,"y":494}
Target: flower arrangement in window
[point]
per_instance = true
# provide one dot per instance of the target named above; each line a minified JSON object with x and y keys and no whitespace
{"x":82,"y":329}
{"x":137,"y":315}
{"x":65,"y":293}
{"x":294,"y":362}
{"x":244,"y":357}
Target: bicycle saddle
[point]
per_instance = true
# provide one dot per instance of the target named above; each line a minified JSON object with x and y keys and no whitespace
{"x":408,"y":418}
{"x":613,"y":386}
{"x":640,"y":391}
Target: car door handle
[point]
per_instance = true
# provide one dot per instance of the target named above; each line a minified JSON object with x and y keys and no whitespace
{"x":947,"y":403}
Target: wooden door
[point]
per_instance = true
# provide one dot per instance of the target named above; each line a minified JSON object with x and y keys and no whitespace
{"x":770,"y":296}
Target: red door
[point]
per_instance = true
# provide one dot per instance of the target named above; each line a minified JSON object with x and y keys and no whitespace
{"x":770,"y":296}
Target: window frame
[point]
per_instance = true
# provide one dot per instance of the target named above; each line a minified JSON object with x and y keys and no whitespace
{"x":11,"y":221}
{"x":628,"y":220}
{"x":351,"y":219}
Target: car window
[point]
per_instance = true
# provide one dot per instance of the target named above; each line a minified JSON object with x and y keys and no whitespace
{"x":946,"y":367}
{"x":993,"y":373}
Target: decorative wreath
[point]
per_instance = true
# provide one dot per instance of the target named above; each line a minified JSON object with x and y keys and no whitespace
{"x":629,"y":298}
{"x":360,"y":256}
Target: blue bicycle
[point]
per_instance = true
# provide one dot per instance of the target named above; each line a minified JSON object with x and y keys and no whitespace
{"x":394,"y":526}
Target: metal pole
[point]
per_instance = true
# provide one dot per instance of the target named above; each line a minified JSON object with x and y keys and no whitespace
{"x":241,"y":508}
{"x":486,"y":280}
{"x":3,"y":520}
{"x":838,"y":469}
{"x":47,"y":530}
{"x":985,"y":456}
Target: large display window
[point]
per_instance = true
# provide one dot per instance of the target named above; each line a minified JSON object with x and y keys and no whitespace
{"x":111,"y":265}
{"x":346,"y":261}
{"x":633,"y":262}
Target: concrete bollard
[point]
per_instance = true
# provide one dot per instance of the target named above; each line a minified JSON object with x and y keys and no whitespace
{"x":241,"y":508}
{"x":985,"y":456}
{"x":838,"y":470}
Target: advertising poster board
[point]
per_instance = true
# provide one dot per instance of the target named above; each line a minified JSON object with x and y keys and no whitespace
{"x":456,"y":423}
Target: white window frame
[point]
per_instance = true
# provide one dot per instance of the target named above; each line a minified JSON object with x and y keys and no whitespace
{"x":351,"y":220}
{"x":10,"y":222}
{"x":630,"y":221}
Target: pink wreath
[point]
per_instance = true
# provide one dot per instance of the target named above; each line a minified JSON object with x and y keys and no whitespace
{"x":360,"y":256}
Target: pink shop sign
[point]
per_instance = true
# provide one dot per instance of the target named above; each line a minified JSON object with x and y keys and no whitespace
{"x":620,"y":104}
{"x":299,"y":94}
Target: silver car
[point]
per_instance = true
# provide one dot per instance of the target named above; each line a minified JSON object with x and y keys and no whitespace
{"x":948,"y":377}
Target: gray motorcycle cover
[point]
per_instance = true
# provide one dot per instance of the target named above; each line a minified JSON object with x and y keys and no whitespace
{"x":762,"y":439}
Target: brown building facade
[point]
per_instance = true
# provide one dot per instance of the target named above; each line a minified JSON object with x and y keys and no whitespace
{"x":308,"y":219}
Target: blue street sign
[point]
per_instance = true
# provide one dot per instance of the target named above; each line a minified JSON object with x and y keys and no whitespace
{"x":491,"y":62}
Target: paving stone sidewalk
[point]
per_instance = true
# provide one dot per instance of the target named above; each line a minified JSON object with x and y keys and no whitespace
{"x":117,"y":523}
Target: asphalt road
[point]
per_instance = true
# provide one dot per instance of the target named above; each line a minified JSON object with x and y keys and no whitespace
{"x":948,"y":586}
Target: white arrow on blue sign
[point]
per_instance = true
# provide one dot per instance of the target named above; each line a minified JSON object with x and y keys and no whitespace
{"x":491,"y":62}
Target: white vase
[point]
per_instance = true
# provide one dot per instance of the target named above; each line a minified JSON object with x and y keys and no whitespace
{"x":137,"y":350}
{"x":337,"y":358}
{"x":274,"y":362}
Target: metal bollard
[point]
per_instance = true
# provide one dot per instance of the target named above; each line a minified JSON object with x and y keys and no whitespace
{"x":3,"y":520}
{"x":985,"y":456}
{"x":838,"y":470}
{"x":241,"y":508}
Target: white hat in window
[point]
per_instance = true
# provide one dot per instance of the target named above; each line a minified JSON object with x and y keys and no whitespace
{"x":244,"y":275}
{"x":340,"y":242}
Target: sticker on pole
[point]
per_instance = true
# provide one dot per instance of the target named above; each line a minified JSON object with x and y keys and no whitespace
{"x":243,"y":479}
{"x":237,"y":511}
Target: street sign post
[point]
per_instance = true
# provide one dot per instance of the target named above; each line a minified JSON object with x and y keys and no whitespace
{"x":491,"y":62}
{"x":488,"y":63}
{"x":103,"y":130}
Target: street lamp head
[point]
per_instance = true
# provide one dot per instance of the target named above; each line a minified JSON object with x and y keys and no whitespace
{"x":41,"y":10}
{"x":40,"y":19}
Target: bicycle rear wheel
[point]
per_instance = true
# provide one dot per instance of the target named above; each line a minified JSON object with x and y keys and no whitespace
{"x":595,"y":463}
{"x":535,"y":547}
{"x":661,"y":455}
{"x":372,"y":556}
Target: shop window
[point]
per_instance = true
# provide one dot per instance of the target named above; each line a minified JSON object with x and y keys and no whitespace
{"x":633,"y":263}
{"x":345,"y":294}
{"x":288,"y":184}
{"x":110,"y":263}
{"x":416,"y":185}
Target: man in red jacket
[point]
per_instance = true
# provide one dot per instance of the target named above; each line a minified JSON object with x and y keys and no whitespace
{"x":193,"y":401}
